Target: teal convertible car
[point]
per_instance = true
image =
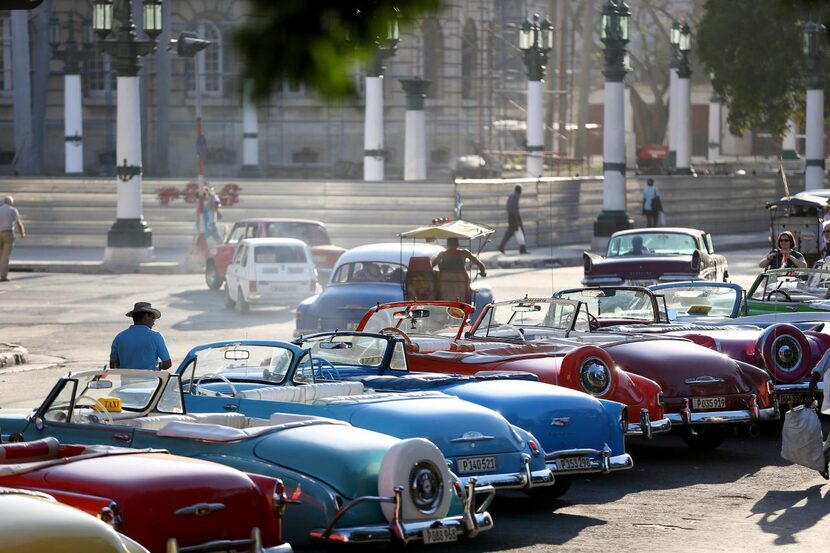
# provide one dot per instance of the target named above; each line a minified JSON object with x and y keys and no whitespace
{"x":348,"y":484}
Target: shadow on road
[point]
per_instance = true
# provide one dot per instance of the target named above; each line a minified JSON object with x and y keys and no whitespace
{"x":209,"y":313}
{"x":786,"y":513}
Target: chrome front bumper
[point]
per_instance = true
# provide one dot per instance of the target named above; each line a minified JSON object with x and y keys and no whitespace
{"x":526,"y":479}
{"x":254,"y":545}
{"x":601,"y":461}
{"x":647,"y":427}
{"x":467,"y":525}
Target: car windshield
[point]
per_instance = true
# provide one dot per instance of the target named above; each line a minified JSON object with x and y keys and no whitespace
{"x":702,"y":301}
{"x":415,"y":319}
{"x":96,"y":390}
{"x":793,"y":285}
{"x":652,"y":243}
{"x":615,"y":303}
{"x":279,"y":254}
{"x":311,"y":234}
{"x":369,"y":271}
{"x":334,"y":350}
{"x":505,"y":318}
{"x":240,"y":361}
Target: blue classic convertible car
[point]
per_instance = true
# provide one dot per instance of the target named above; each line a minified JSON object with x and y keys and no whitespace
{"x":260,"y":377}
{"x":378,"y":273}
{"x":577,"y":433}
{"x":349,"y":484}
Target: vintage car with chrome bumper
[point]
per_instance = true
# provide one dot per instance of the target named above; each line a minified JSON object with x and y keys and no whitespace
{"x":328,"y":486}
{"x":260,"y":377}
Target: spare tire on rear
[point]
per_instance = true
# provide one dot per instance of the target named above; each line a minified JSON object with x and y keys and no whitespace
{"x":784,"y":352}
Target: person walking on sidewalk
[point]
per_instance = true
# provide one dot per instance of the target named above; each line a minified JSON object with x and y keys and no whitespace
{"x":652,"y":204}
{"x":9,"y":219}
{"x":514,"y":221}
{"x":139,"y":346}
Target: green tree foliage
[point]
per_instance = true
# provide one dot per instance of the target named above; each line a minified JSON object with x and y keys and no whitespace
{"x":317,"y":42}
{"x":752,"y":49}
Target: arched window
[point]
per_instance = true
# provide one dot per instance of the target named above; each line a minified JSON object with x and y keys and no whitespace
{"x":433,"y":56}
{"x":469,"y":68}
{"x":209,"y":62}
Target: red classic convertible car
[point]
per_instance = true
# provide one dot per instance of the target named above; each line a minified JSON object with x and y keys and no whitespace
{"x":786,"y":345}
{"x":433,"y":332}
{"x":641,"y":257}
{"x":162,"y":501}
{"x":313,"y":233}
{"x":703,"y":391}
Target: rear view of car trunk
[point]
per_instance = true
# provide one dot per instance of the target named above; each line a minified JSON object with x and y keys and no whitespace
{"x":282,"y":275}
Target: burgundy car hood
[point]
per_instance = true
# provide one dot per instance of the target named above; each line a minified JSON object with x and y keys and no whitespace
{"x":641,"y":266}
{"x":681,"y":368}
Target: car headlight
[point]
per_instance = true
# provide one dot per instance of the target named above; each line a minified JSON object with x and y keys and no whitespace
{"x":427,"y":486}
{"x":595,"y":376}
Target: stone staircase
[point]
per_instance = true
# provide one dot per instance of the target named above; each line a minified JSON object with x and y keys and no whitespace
{"x":79,"y":212}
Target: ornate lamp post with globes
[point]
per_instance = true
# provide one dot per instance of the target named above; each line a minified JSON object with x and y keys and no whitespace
{"x":72,"y":56}
{"x":814,"y":148}
{"x":535,"y":41}
{"x":615,"y":21}
{"x":373,"y":145}
{"x":129,"y":240}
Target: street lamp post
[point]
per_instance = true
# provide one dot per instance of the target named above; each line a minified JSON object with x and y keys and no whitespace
{"x":616,"y":17}
{"x":535,"y":41}
{"x":684,"y":102}
{"x":129,"y":240}
{"x":674,"y":40}
{"x":72,"y":56}
{"x":814,"y":148}
{"x":373,"y":145}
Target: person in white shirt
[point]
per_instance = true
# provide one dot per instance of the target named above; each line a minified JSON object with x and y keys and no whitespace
{"x":9,"y":220}
{"x":822,"y":371}
{"x":651,"y":203}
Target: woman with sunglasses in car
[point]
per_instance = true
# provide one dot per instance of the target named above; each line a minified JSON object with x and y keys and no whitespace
{"x":784,"y":255}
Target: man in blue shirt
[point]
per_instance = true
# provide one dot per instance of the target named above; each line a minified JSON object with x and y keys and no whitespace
{"x":139,"y":346}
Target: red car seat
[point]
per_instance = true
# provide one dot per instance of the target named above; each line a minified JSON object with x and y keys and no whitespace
{"x":420,"y":279}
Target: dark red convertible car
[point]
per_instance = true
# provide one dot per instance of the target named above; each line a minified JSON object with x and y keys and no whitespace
{"x":164,"y":502}
{"x":313,"y":233}
{"x":435,"y":343}
{"x":642,"y":257}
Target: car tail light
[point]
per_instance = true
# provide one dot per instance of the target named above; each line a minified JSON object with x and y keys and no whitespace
{"x":252,"y":286}
{"x":770,"y":387}
{"x":750,"y":350}
{"x":534,"y":447}
{"x":660,"y":400}
{"x":459,"y":489}
{"x":624,"y":419}
{"x":587,"y":263}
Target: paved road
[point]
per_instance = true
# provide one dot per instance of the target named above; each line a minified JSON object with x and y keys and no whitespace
{"x":740,"y":497}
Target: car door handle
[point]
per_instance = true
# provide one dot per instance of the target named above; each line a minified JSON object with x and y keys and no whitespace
{"x":121,"y":438}
{"x":231,"y":407}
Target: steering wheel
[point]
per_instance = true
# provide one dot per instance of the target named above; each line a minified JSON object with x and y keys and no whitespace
{"x":514,"y":329}
{"x":593,"y":322}
{"x":95,"y":404}
{"x":781,"y":292}
{"x":197,"y":389}
{"x":331,"y":370}
{"x":398,"y":331}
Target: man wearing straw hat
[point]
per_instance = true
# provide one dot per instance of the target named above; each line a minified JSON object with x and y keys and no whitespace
{"x":139,"y":346}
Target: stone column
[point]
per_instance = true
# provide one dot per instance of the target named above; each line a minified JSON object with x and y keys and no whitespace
{"x":788,"y":148}
{"x":814,"y":148}
{"x":630,"y":135}
{"x":713,"y":148}
{"x":22,"y":92}
{"x":415,"y":160}
{"x":250,"y":136}
{"x":535,"y":128}
{"x":73,"y":125}
{"x":683,"y":122}
{"x":373,"y":149}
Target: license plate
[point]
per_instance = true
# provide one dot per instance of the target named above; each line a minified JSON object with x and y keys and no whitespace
{"x":708,"y":403}
{"x":476,"y":464}
{"x":439,"y":535}
{"x":574,"y":463}
{"x":792,"y":398}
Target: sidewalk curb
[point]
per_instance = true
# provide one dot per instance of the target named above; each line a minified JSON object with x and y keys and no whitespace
{"x":97,"y":267}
